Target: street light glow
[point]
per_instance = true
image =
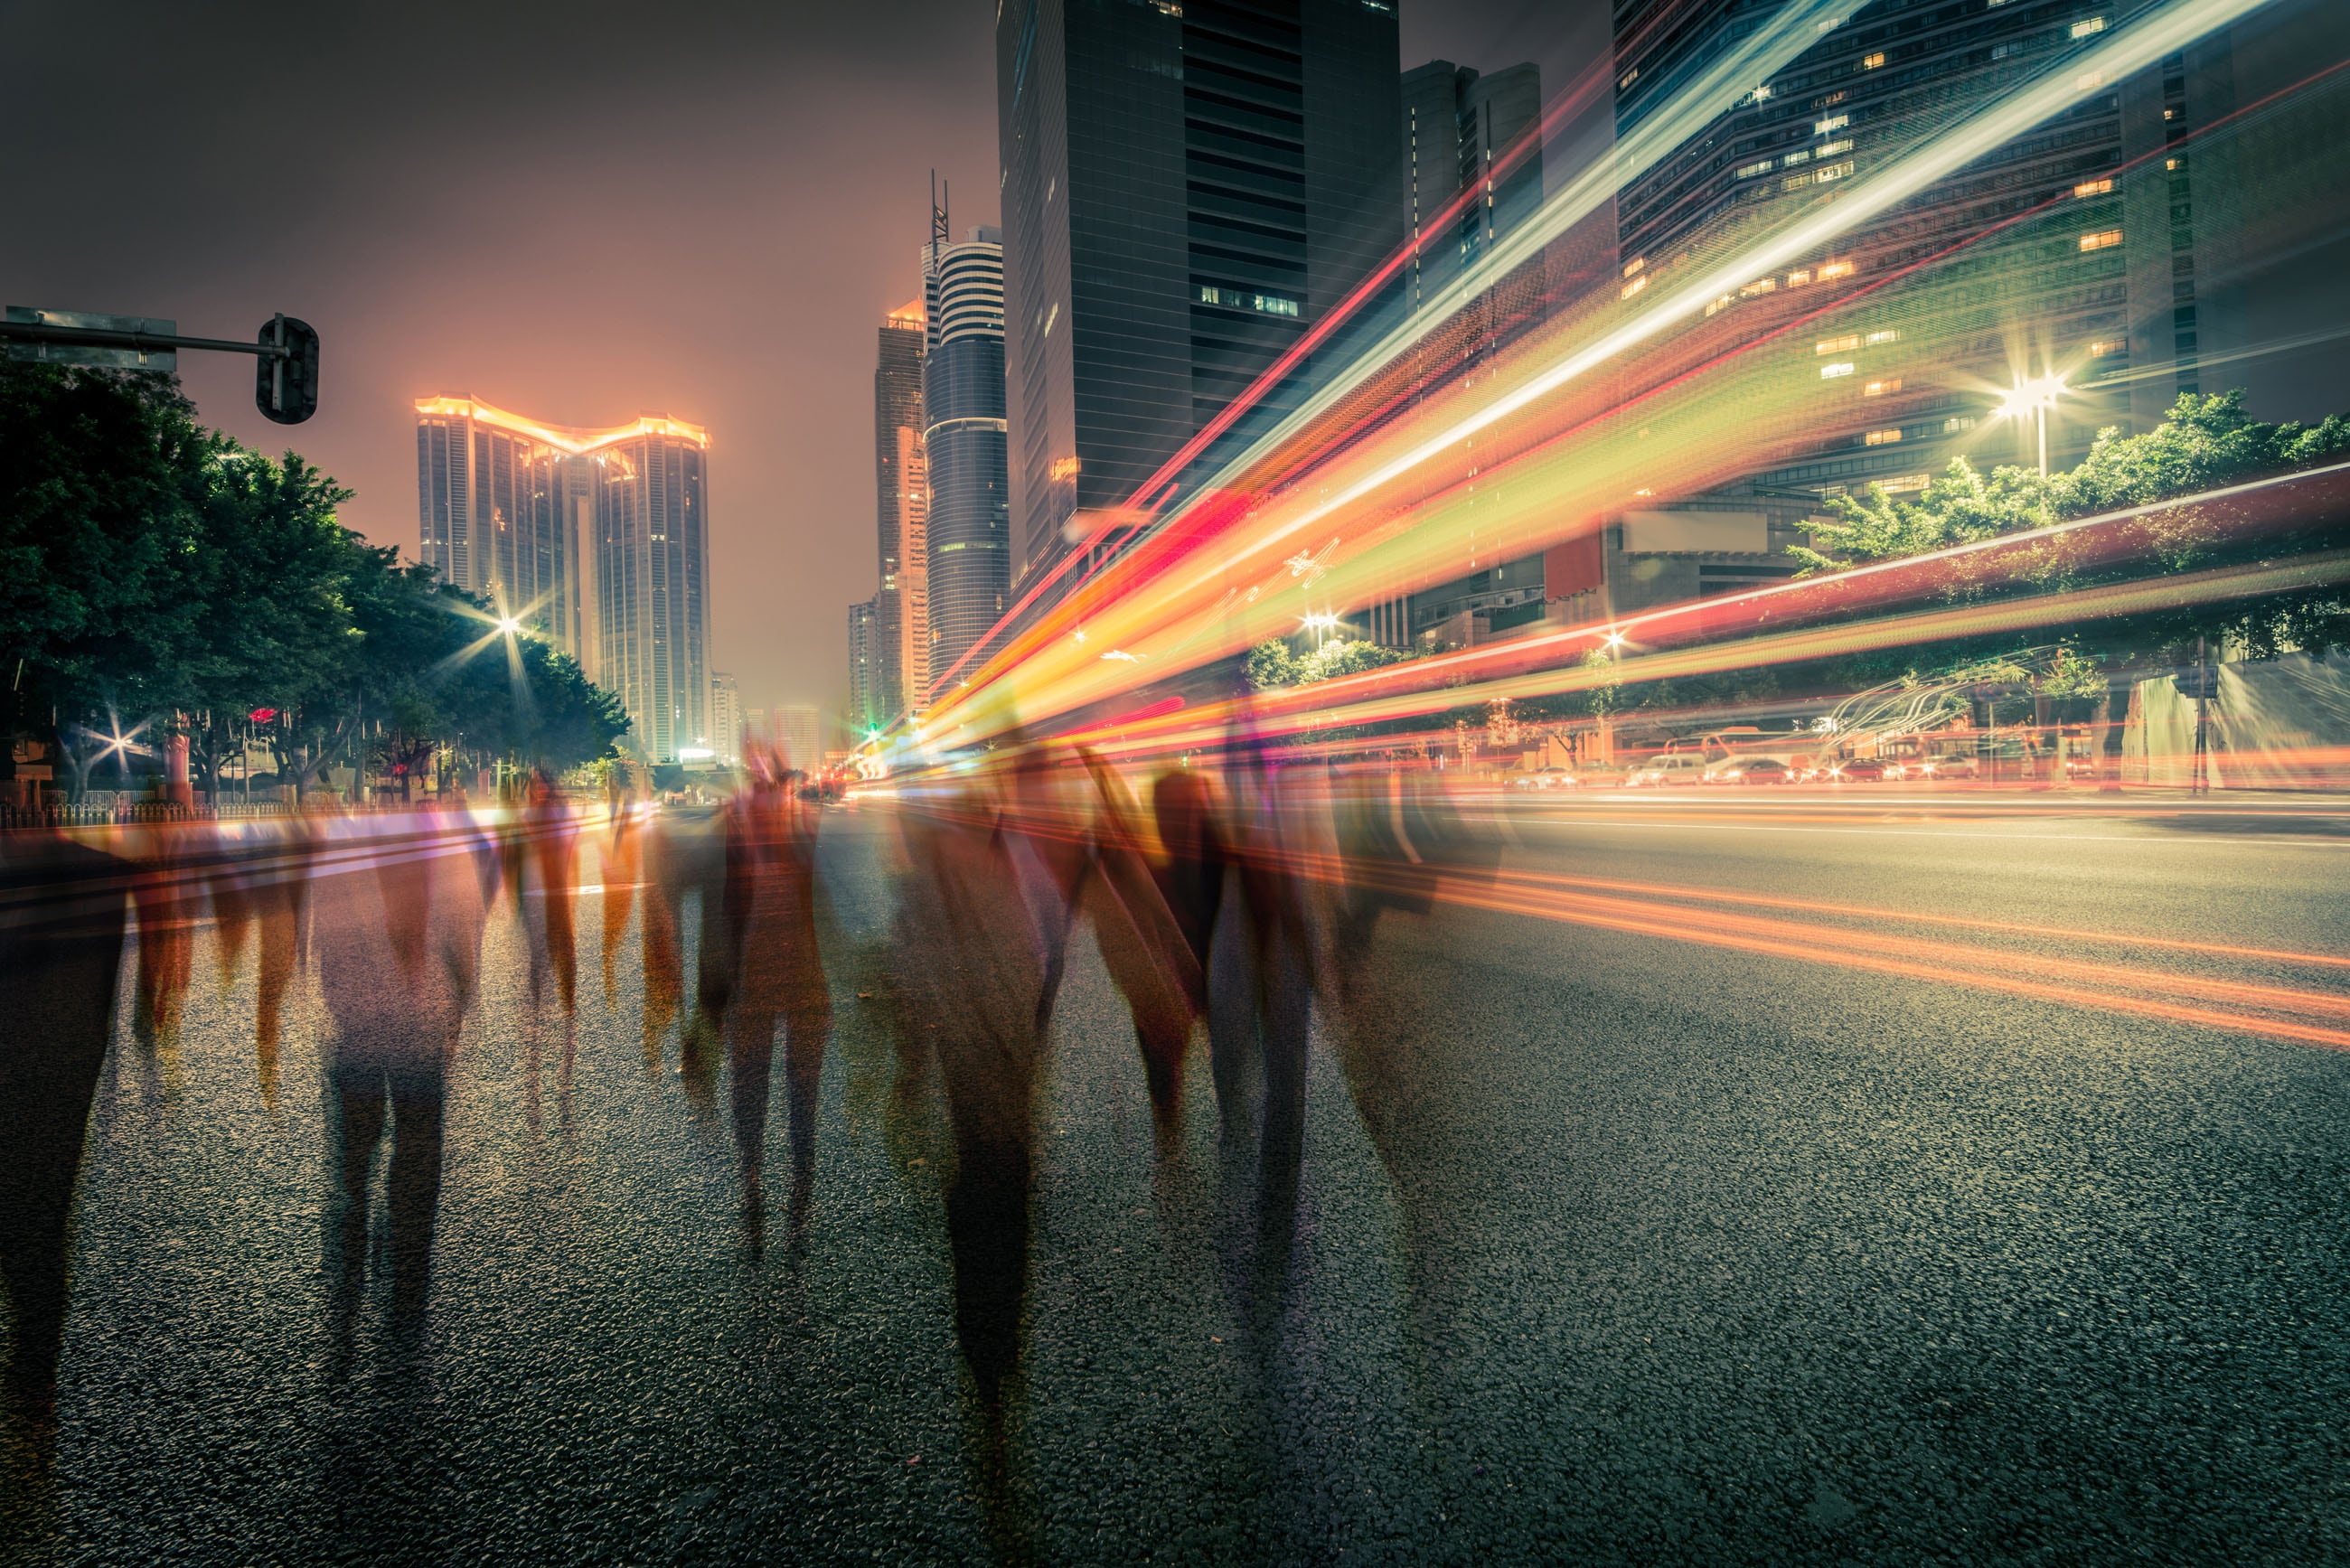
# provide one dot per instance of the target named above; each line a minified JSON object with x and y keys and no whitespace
{"x":2035,"y":396}
{"x":508,"y":625}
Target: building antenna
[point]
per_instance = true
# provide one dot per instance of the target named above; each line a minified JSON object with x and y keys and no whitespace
{"x":938,"y":211}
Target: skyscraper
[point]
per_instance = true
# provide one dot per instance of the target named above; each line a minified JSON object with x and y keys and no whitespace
{"x":901,"y":625}
{"x":597,"y":539}
{"x":1186,"y":189}
{"x":725,"y":719}
{"x":1455,"y":121}
{"x":799,"y":732}
{"x":2038,"y":282}
{"x":864,"y":710}
{"x":968,"y":526}
{"x":505,"y":507}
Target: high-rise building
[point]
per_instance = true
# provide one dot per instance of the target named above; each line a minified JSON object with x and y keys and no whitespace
{"x":725,"y":719}
{"x":1187,"y":190}
{"x":596,"y":539}
{"x":504,"y":508}
{"x":963,"y":435}
{"x":1455,"y":122}
{"x":864,"y":710}
{"x":1473,"y":172}
{"x":799,"y":732}
{"x":901,"y":622}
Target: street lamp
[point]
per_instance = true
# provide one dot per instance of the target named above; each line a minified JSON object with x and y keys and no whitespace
{"x":2035,"y":396}
{"x":1320,"y":625}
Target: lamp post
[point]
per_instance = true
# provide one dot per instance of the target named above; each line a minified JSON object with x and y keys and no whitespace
{"x":2035,"y":396}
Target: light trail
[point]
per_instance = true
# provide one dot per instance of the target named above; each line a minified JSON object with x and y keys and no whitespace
{"x":1967,"y":968}
{"x":1066,"y":681}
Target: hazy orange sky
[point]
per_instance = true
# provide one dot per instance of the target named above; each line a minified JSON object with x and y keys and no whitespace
{"x":581,"y":212}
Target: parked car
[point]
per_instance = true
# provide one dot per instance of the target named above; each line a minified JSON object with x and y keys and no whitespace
{"x":1955,"y":765}
{"x":1753,"y":770}
{"x":1544,"y":778}
{"x":1671,"y":768}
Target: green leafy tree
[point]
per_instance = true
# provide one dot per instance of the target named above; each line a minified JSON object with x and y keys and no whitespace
{"x":155,"y":570}
{"x":2204,"y":444}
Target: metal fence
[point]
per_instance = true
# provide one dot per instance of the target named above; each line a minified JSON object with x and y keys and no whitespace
{"x":125,"y":811}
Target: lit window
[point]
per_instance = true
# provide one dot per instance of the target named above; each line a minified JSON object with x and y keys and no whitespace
{"x":2087,"y":26}
{"x":1832,"y":172}
{"x":1795,"y":181}
{"x":1633,"y":288}
{"x":1888,"y":336}
{"x":1760,"y":95}
{"x":1901,"y":484}
{"x":1065,"y":468}
{"x":1870,"y":62}
{"x":1634,"y":264}
{"x":2104,"y":239}
{"x":2106,"y":348}
{"x":1800,"y":275}
{"x":1830,"y":372}
{"x":1837,"y":345}
{"x":1799,"y":155}
{"x":1751,"y":170}
{"x":1882,"y":438}
{"x":1960,"y":422}
{"x":1759,"y":286}
{"x":1835,"y":269}
{"x":1878,"y":389}
{"x":2092,"y":188}
{"x":1722,"y":304}
{"x":1830,"y":148}
{"x":1833,"y":122}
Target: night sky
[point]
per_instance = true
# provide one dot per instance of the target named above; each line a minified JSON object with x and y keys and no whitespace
{"x":581,"y":212}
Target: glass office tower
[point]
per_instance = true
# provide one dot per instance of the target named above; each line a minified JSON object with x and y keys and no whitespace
{"x":969,"y":526}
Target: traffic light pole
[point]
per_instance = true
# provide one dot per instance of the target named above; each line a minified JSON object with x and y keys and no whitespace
{"x":285,"y":389}
{"x":139,"y":342}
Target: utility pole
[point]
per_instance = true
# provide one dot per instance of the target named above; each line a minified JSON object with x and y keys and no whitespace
{"x":2200,"y":778}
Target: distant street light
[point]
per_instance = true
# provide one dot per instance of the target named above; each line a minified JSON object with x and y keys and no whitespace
{"x":1321,"y":627}
{"x":2035,"y":396}
{"x":508,"y":625}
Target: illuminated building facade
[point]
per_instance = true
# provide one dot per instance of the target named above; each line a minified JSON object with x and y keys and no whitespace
{"x":595,"y":539}
{"x":2036,"y":282}
{"x":901,"y":622}
{"x":969,"y":518}
{"x":864,"y":709}
{"x":2105,"y":245}
{"x":1186,"y":189}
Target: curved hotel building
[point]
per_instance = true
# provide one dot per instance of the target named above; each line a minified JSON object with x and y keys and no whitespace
{"x":968,"y":530}
{"x":596,"y":540}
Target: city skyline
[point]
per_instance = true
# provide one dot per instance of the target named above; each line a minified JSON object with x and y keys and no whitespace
{"x":581,"y":321}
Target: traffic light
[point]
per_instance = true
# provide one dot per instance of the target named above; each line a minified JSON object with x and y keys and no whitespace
{"x":286,"y":385}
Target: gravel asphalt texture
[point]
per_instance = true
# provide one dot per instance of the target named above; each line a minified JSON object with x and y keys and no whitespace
{"x":1608,"y":1248}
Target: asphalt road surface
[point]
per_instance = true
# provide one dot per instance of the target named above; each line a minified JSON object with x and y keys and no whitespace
{"x":1727,"y":1179}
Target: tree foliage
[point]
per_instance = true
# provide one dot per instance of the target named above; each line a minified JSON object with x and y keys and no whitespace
{"x":2203,"y":445}
{"x":152,"y":569}
{"x":1275,"y":663}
